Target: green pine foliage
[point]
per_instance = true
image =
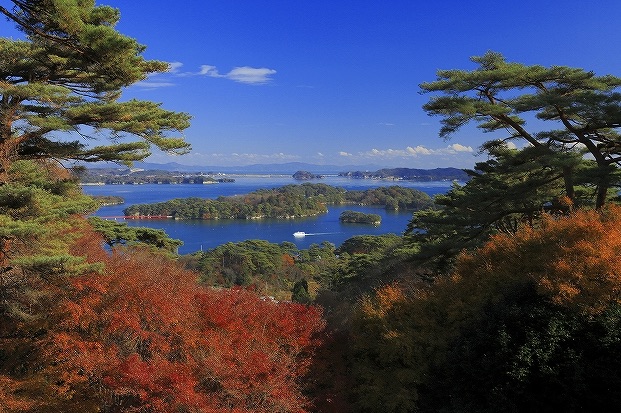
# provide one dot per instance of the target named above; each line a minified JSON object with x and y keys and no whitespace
{"x":529,"y":322}
{"x":119,"y":233}
{"x":392,"y":198}
{"x":40,"y":213}
{"x":272,"y":269}
{"x":573,"y":164}
{"x":582,"y":111}
{"x":68,"y":75}
{"x":360,"y":218}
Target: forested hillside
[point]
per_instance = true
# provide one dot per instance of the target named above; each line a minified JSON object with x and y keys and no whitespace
{"x":503,"y":297}
{"x":289,"y":201}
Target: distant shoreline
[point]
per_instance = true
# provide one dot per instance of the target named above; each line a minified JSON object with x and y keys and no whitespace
{"x":112,"y":176}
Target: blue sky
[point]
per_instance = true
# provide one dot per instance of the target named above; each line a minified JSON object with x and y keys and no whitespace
{"x":336,"y":82}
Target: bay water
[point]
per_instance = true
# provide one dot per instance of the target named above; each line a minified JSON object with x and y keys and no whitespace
{"x":206,"y":234}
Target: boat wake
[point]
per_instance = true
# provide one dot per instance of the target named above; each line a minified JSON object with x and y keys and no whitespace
{"x":301,"y":234}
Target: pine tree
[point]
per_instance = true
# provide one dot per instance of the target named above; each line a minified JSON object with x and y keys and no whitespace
{"x":67,"y":76}
{"x":582,"y":109}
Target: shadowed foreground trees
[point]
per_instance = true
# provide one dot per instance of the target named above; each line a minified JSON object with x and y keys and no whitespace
{"x":529,"y":322}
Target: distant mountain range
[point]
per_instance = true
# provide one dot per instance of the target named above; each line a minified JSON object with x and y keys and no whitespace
{"x":145,"y":172}
{"x":282,"y":168}
{"x":354,"y":171}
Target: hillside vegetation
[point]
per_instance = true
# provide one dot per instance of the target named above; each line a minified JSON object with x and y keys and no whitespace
{"x":290,"y":201}
{"x":503,"y":298}
{"x":356,"y":217}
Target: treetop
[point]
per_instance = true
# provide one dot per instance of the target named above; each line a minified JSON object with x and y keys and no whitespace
{"x":68,"y":76}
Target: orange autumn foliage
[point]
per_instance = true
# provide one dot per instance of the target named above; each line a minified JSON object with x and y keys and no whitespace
{"x":573,"y":260}
{"x":142,"y":335}
{"x":8,"y":400}
{"x":527,"y":312}
{"x":384,"y":300}
{"x":288,"y":260}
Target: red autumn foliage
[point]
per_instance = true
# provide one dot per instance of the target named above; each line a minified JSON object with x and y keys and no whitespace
{"x":142,"y":335}
{"x":255,"y":350}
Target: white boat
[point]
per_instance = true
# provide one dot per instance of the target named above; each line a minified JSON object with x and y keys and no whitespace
{"x":299,"y":234}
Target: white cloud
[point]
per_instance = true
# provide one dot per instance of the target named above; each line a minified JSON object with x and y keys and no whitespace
{"x":387,"y":152}
{"x":414,"y":152}
{"x":411,"y":157}
{"x":250,"y":75}
{"x":419,"y":150}
{"x":419,"y":156}
{"x":392,"y":153}
{"x":153,"y":84}
{"x":244,"y":74}
{"x":208,"y":70}
{"x":460,"y":148}
{"x":173,"y":67}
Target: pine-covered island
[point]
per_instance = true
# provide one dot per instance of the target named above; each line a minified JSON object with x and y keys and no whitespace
{"x":410,"y":174}
{"x":356,"y":217}
{"x":287,"y":202}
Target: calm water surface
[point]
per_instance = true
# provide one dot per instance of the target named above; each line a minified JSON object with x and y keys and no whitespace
{"x":203,"y":234}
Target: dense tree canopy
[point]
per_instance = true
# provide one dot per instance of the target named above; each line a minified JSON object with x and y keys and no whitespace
{"x":135,"y":332}
{"x":89,"y":329}
{"x":66,"y":78}
{"x":529,"y":322}
{"x":38,"y":209}
{"x":511,"y":189}
{"x":83,"y":328}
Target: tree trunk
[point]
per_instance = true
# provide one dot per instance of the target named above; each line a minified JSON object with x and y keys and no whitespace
{"x":568,"y":178}
{"x":602,"y":188}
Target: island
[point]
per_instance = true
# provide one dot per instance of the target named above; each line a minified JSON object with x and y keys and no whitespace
{"x":356,"y":217}
{"x":410,"y":174}
{"x":136,"y":176}
{"x":107,"y":200}
{"x":287,"y":202}
{"x":306,"y":176}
